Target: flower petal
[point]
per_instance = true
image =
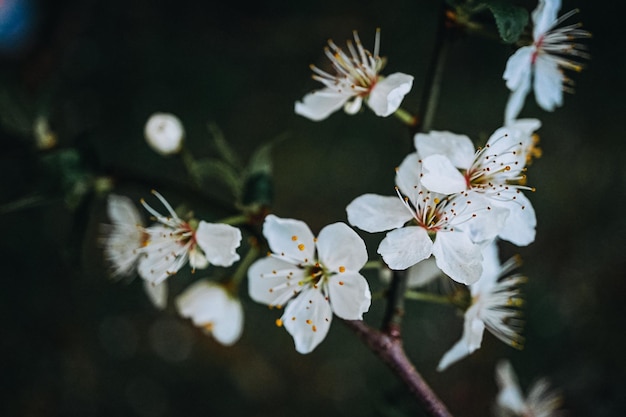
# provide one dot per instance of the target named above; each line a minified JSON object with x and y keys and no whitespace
{"x":307,"y":318}
{"x":162,"y":255}
{"x":473,"y":330}
{"x":376,"y":213}
{"x":273,"y":281}
{"x":405,"y":247}
{"x":519,"y":227}
{"x":510,"y":395}
{"x":290,"y":238}
{"x":458,"y":148}
{"x":210,"y":306}
{"x":544,"y":17}
{"x":441,"y":176}
{"x":219,"y":242}
{"x":408,"y":176}
{"x":124,"y":238}
{"x":458,"y":256}
{"x":422,"y":273}
{"x":156,"y":293}
{"x":349,"y":295}
{"x":548,"y":83}
{"x":340,"y":246}
{"x":517,"y":75}
{"x":318,"y":105}
{"x":388,"y":93}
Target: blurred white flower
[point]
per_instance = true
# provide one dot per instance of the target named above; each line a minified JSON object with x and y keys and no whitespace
{"x":172,"y":242}
{"x":356,"y":79}
{"x":540,"y":402}
{"x":496,"y":171}
{"x":210,"y":306}
{"x":553,"y":50}
{"x":313,"y":277}
{"x":164,"y":133}
{"x":456,"y":224}
{"x":124,"y":241}
{"x":495,"y":306}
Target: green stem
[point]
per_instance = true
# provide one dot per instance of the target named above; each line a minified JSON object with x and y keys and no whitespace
{"x":423,"y":296}
{"x":243,"y":266}
{"x":23,"y":203}
{"x":406,"y":117}
{"x":235,"y":220}
{"x":372,"y":265}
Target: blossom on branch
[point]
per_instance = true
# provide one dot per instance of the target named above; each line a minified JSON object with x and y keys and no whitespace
{"x":312,"y":277}
{"x":357,"y":78}
{"x":540,"y":402}
{"x":495,"y":306}
{"x":164,"y":133}
{"x":172,"y":241}
{"x":458,"y":224}
{"x":211,"y":306}
{"x":553,"y":50}
{"x":496,"y":172}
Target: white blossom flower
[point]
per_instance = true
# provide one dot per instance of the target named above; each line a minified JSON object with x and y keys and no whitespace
{"x":458,"y":224}
{"x":211,"y":306}
{"x":356,"y":79}
{"x":172,"y":242}
{"x":124,"y":242}
{"x":496,"y":171}
{"x":164,"y":133}
{"x":495,"y":303}
{"x":540,"y":402}
{"x":313,"y":277}
{"x":553,"y":49}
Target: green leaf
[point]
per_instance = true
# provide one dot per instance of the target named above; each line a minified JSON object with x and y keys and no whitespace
{"x":220,"y":170}
{"x":68,"y":173}
{"x":510,"y":19}
{"x":258,"y":190}
{"x":223,"y":148}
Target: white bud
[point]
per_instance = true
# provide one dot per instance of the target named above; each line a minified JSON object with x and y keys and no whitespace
{"x":164,"y":133}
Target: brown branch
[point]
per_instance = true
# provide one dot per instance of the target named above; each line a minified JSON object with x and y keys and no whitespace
{"x":391,"y":351}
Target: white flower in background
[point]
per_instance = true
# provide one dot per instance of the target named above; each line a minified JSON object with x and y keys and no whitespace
{"x":172,"y":242}
{"x":124,"y":242}
{"x":313,"y":277}
{"x":451,"y":165}
{"x":495,"y":303}
{"x":164,"y":133}
{"x":210,"y":306}
{"x":458,"y":225}
{"x":540,"y":402}
{"x":553,"y":50}
{"x":356,"y":79}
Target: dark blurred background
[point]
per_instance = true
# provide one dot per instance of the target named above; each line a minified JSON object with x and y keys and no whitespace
{"x":76,"y":343}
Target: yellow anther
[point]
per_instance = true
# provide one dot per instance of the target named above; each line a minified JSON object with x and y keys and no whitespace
{"x":301,"y":246}
{"x":342,"y":269}
{"x":279,"y":323}
{"x":294,"y":238}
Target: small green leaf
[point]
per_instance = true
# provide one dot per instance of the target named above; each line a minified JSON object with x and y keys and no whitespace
{"x":510,"y":19}
{"x":223,"y":148}
{"x":216,"y":169}
{"x":258,"y":190}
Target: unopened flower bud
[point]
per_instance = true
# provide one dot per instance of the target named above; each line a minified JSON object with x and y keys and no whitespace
{"x":164,"y":133}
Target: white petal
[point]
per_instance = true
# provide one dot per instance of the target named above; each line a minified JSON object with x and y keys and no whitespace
{"x":349,"y":295}
{"x":307,"y":318}
{"x":458,"y":257}
{"x":273,"y":281}
{"x":408,"y":176}
{"x":441,"y":176}
{"x":479,"y":217}
{"x":290,"y":238}
{"x":518,"y":74}
{"x":197,"y":260}
{"x":124,"y":238}
{"x":219,"y":242}
{"x":544,"y":16}
{"x":405,"y":247}
{"x":458,"y":148}
{"x":156,"y":293}
{"x":519,"y":227}
{"x":353,"y":106}
{"x":210,"y":306}
{"x":318,"y":105}
{"x":388,"y":93}
{"x":376,"y":213}
{"x":122,"y":211}
{"x":340,"y":246}
{"x":510,"y":395}
{"x":162,"y":256}
{"x":473,"y":330}
{"x":492,"y":269}
{"x":548,"y":83}
{"x":164,"y":133}
{"x":422,"y":273}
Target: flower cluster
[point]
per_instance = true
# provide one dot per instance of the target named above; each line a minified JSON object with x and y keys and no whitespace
{"x":452,"y":201}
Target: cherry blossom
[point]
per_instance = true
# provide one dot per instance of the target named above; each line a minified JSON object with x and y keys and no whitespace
{"x":357,"y":78}
{"x":312,"y":277}
{"x":553,"y":50}
{"x":164,"y":133}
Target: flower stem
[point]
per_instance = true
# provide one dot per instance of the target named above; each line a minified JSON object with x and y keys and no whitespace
{"x":424,"y":296}
{"x":391,"y":351}
{"x":406,"y":117}
{"x":243,"y":266}
{"x":372,"y":265}
{"x":235,"y":220}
